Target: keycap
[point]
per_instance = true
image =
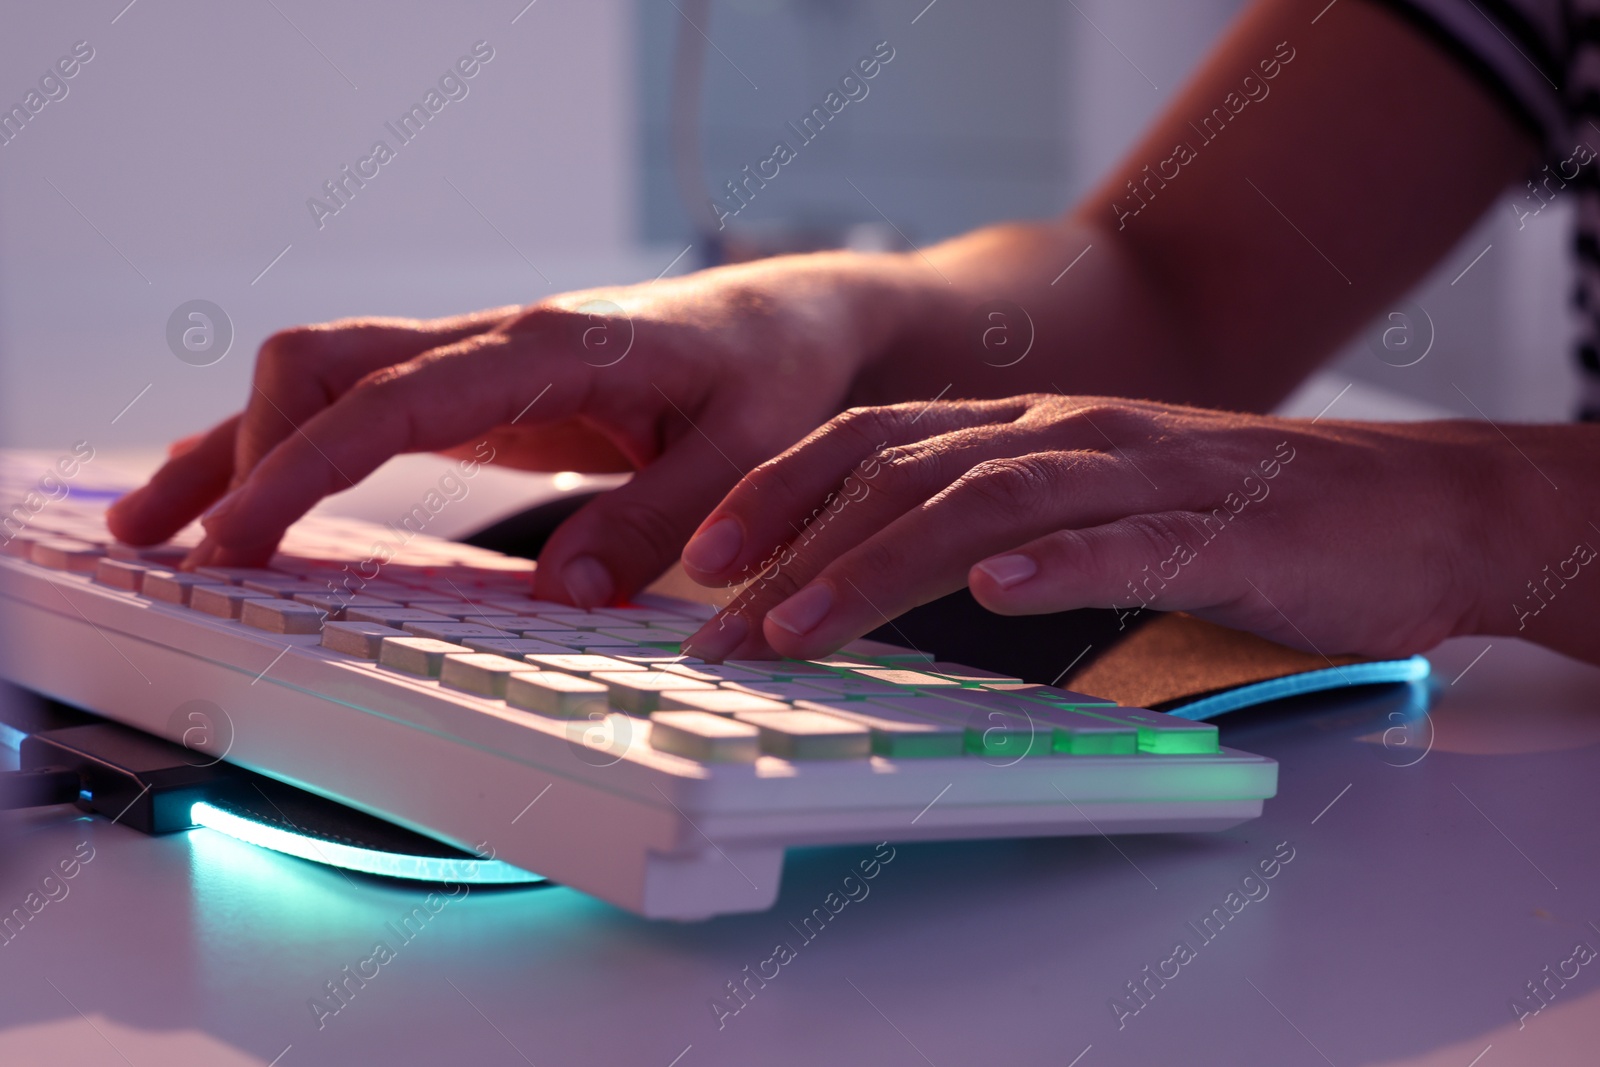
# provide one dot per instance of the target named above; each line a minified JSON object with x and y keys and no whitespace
{"x":895,"y":676}
{"x":713,"y":672}
{"x":580,"y":620}
{"x":897,"y":734}
{"x":704,"y":738}
{"x":1162,"y":734}
{"x":850,"y":688}
{"x":785,"y":670}
{"x":787,"y":692}
{"x":643,"y":635}
{"x":645,"y":654}
{"x":582,"y":664}
{"x":279,"y":616}
{"x":165,"y":556}
{"x":223,"y":601}
{"x":573,"y":640}
{"x":65,"y":554}
{"x":565,"y":696}
{"x":672,"y":606}
{"x":513,"y":647}
{"x":1071,"y":733}
{"x":637,"y":616}
{"x":284,"y":586}
{"x":639,"y":692}
{"x":395,"y":617}
{"x":531,"y":623}
{"x":681,"y":627}
{"x":417,"y":655}
{"x":364,"y":640}
{"x":482,"y":673}
{"x":337,"y":604}
{"x":512,"y":624}
{"x":717,"y":701}
{"x":171,"y":586}
{"x":525,"y":605}
{"x":1050,"y":694}
{"x":808,"y":735}
{"x":120,"y":574}
{"x":883,"y":652}
{"x":989,"y":731}
{"x":451,"y":631}
{"x":236,"y":575}
{"x":969,"y":675}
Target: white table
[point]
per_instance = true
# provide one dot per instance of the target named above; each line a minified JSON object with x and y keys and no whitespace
{"x":1422,"y":895}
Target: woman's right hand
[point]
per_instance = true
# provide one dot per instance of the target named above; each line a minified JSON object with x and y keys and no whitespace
{"x":691,"y":381}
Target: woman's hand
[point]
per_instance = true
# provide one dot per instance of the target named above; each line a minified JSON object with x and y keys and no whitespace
{"x":691,"y":381}
{"x":1332,"y":537}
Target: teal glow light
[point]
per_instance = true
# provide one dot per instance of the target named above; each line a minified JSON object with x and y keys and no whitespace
{"x":365,"y":860}
{"x":1414,"y":669}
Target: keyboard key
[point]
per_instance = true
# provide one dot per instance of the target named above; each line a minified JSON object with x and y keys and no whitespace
{"x":1072,"y":733}
{"x":1050,"y":694}
{"x":167,"y":556}
{"x":580,"y":620}
{"x":883,"y":652}
{"x":481,"y":673}
{"x":284,"y":586}
{"x":336,"y":604}
{"x":898,"y":734}
{"x":236,"y":575}
{"x":992,"y":732}
{"x":893,"y":676}
{"x":395,"y":617}
{"x":65,"y":554}
{"x":120,"y":574}
{"x":639,"y":692}
{"x":364,"y":640}
{"x":511,"y":624}
{"x":579,"y":639}
{"x":223,"y":601}
{"x":788,"y":692}
{"x":809,"y":735}
{"x":689,"y":609}
{"x":171,"y":587}
{"x":581,"y":664}
{"x":279,"y":616}
{"x":1162,"y":734}
{"x":451,"y":631}
{"x":644,"y":654}
{"x":713,"y":672}
{"x":417,"y":655}
{"x":565,"y":696}
{"x":704,"y":738}
{"x":643,"y":635}
{"x":717,"y":701}
{"x":513,"y":647}
{"x":525,"y":605}
{"x":969,"y":675}
{"x":785,"y":670}
{"x":845,"y":687}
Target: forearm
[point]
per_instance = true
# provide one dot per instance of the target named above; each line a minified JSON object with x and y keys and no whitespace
{"x":1540,"y":538}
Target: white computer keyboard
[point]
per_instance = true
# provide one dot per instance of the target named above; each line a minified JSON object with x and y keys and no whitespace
{"x":431,"y":690}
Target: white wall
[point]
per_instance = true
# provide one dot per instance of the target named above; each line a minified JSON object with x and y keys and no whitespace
{"x":194,"y":137}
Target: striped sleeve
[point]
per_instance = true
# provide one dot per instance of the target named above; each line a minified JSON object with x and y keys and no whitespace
{"x":1518,"y":50}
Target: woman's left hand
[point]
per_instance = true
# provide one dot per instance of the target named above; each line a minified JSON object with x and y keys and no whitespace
{"x":1333,"y":537}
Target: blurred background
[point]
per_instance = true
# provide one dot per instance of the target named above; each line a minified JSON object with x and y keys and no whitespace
{"x":179,"y":164}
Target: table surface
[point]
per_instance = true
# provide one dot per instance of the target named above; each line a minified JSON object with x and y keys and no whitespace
{"x":1440,"y":862}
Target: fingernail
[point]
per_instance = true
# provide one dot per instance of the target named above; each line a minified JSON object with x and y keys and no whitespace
{"x":801,"y":612}
{"x":714,"y":547}
{"x":222,"y":507}
{"x":1008,"y":571}
{"x":717,"y":638}
{"x":587,"y":581}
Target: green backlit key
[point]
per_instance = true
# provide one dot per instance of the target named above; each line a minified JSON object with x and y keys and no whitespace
{"x":1074,"y":734}
{"x":988,"y":731}
{"x":895,"y":733}
{"x":1165,"y":735}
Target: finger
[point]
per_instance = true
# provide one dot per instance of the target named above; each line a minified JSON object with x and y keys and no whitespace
{"x":439,"y":400}
{"x":1166,"y":561}
{"x":302,"y":370}
{"x":184,"y":485}
{"x":184,"y":444}
{"x":870,"y":501}
{"x":772,"y":502}
{"x":620,"y":541}
{"x":569,"y":445}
